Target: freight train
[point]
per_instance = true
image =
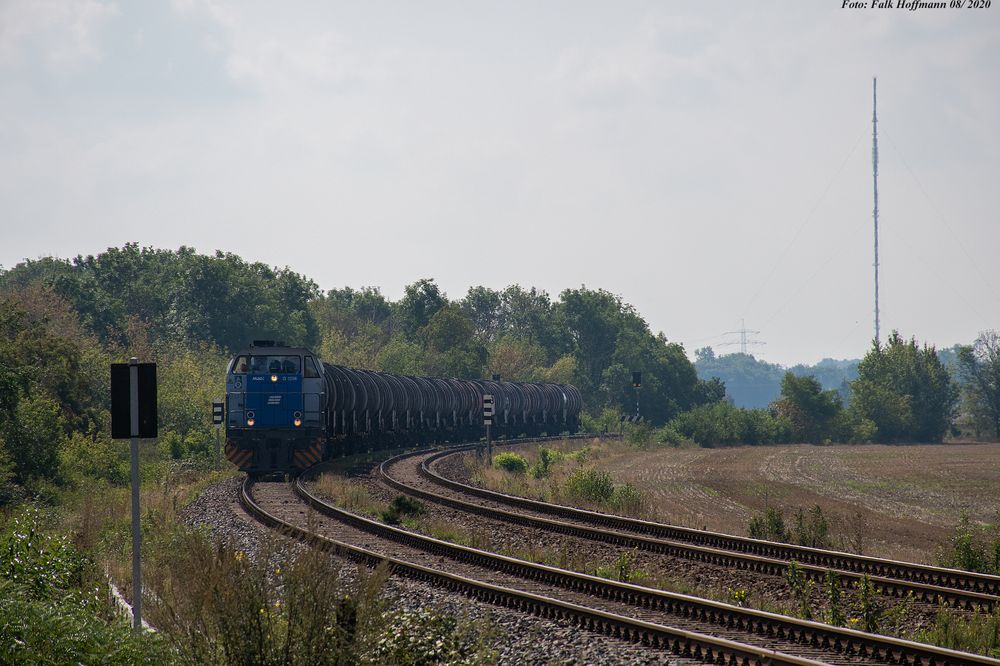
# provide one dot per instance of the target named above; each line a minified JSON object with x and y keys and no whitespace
{"x":287,"y":410}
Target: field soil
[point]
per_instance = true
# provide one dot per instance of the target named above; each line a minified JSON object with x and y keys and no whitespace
{"x":892,"y":501}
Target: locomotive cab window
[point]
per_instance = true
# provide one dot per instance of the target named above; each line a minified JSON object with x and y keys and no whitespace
{"x":309,"y":369}
{"x":240,"y":366}
{"x":287,"y":365}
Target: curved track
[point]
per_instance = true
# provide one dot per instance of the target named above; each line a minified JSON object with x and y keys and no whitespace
{"x":414,"y":473}
{"x":676,"y":622}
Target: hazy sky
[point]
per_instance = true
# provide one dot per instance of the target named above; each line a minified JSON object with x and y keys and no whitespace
{"x":709,"y":162}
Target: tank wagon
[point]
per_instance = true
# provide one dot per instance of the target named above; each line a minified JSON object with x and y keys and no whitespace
{"x":287,"y":410}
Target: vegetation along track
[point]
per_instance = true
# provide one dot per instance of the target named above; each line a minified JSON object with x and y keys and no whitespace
{"x":414,"y":473}
{"x":676,"y":622}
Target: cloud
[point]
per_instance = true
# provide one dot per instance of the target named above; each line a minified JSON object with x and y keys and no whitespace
{"x":62,"y":33}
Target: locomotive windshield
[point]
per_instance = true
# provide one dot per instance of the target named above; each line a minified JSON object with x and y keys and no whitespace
{"x":289,"y":365}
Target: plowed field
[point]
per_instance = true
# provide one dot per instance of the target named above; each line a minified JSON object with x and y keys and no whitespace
{"x":893,"y":501}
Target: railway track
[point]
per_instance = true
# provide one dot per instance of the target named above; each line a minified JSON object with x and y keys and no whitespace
{"x":414,"y":474}
{"x":688,"y":626}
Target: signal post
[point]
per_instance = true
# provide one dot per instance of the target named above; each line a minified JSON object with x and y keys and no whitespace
{"x":488,"y":421}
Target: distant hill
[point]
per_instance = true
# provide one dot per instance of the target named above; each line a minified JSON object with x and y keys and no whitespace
{"x":751,"y":382}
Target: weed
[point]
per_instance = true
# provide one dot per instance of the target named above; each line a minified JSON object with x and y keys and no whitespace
{"x":402,"y":506}
{"x":348,"y":495}
{"x":869,"y":610}
{"x":811,"y":529}
{"x":801,"y":588}
{"x":543,"y":466}
{"x":626,"y":498}
{"x":590,"y":484}
{"x":622,"y":569}
{"x":738,"y":596}
{"x":977,"y":632}
{"x":770,"y":526}
{"x":834,"y":609}
{"x":857,"y":531}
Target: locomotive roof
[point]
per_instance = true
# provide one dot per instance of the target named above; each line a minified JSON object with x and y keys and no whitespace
{"x":273,"y":350}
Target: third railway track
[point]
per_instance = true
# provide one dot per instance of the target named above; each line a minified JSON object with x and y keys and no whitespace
{"x":414,"y":473}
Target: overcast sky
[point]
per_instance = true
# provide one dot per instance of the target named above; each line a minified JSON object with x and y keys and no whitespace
{"x":709,"y":162}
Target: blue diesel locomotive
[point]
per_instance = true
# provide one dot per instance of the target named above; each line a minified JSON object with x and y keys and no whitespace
{"x":287,"y":410}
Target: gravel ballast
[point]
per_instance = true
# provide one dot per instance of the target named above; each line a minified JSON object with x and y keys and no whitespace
{"x":519,"y":638}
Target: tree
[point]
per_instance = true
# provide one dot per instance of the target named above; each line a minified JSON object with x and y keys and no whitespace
{"x":811,"y":410}
{"x":449,"y":346}
{"x":421,"y":301}
{"x":979,"y":368}
{"x":484,"y":308}
{"x":905,"y":391}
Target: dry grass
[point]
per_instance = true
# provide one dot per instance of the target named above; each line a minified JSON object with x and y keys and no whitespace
{"x":347,"y":494}
{"x":564,"y":472}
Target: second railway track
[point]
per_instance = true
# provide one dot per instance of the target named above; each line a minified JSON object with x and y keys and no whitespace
{"x":415,"y":474}
{"x":681,"y":623}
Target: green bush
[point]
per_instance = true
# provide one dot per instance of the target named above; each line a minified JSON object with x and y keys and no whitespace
{"x":590,"y":484}
{"x":968,"y":632}
{"x":622,"y":569}
{"x":974,"y":548}
{"x":546,"y":458}
{"x":639,"y":435}
{"x":514,"y":463}
{"x":50,"y":609}
{"x":402,"y":506}
{"x":626,"y":498}
{"x":811,"y":529}
{"x":769,"y":525}
{"x":607,"y":421}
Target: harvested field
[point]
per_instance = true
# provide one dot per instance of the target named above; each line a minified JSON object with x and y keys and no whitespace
{"x":896,"y":501}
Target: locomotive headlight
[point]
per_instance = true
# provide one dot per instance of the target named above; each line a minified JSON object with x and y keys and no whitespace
{"x":298,"y":419}
{"x":274,"y":378}
{"x":250,"y":416}
{"x":250,"y":422}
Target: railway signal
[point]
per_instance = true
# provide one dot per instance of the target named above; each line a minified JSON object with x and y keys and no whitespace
{"x":218,"y":408}
{"x":488,"y":421}
{"x":133,"y":415}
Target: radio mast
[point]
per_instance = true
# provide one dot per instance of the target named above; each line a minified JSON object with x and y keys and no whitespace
{"x":875,"y":189}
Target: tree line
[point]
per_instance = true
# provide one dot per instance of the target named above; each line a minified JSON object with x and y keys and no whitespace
{"x":63,"y":321}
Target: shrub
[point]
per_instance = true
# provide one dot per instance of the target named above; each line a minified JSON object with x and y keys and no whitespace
{"x":973,"y":548}
{"x":627,"y":499}
{"x":51,"y":612}
{"x":546,"y":458}
{"x":514,"y":463}
{"x":639,"y":435}
{"x":402,"y":506}
{"x":590,"y":484}
{"x":811,"y":530}
{"x":721,"y":424}
{"x":622,"y":569}
{"x":770,"y":526}
{"x":969,"y":632}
